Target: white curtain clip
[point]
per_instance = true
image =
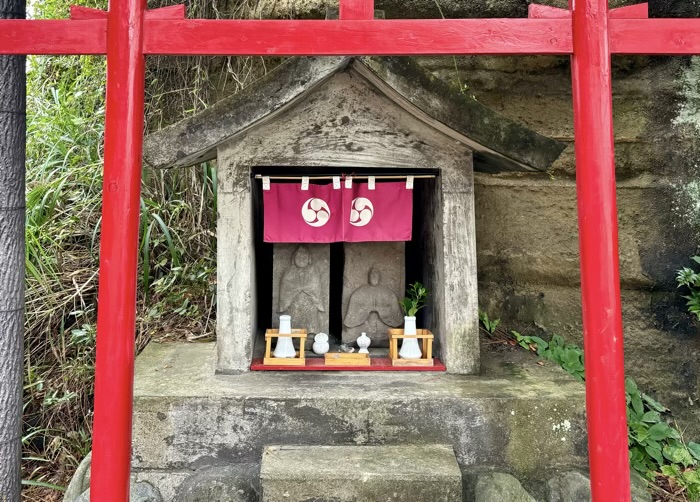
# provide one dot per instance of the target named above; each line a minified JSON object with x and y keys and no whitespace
{"x":370,"y":182}
{"x":348,"y":182}
{"x":304,"y":183}
{"x":266,"y":182}
{"x":336,"y":182}
{"x":409,"y":182}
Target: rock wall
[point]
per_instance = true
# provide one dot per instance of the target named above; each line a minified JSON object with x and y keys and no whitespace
{"x":528,"y":261}
{"x":526,"y":223}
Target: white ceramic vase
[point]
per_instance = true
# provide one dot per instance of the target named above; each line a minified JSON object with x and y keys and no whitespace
{"x":321,"y":345}
{"x":363,"y":342}
{"x":409,"y":346}
{"x":285,"y":346}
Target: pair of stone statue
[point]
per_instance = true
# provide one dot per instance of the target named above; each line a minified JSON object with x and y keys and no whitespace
{"x":372,"y":307}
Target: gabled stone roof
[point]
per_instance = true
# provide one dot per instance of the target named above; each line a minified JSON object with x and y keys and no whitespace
{"x":499,"y":144}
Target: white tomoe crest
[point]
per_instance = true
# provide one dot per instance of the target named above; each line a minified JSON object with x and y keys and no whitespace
{"x":361,"y":212}
{"x":315,"y":212}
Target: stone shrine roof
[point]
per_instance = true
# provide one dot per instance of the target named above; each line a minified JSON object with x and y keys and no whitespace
{"x":499,"y":144}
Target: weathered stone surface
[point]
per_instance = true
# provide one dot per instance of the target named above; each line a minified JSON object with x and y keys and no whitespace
{"x":300,"y":286}
{"x":373,"y":283}
{"x":640,"y":489}
{"x":80,"y":480}
{"x":140,"y":492}
{"x":500,"y":143}
{"x":569,"y":486}
{"x":573,"y":486}
{"x":235,"y":287}
{"x":360,"y":473}
{"x":499,"y":487}
{"x":651,"y":320}
{"x":518,"y":240}
{"x":230,"y":483}
{"x":523,"y":418}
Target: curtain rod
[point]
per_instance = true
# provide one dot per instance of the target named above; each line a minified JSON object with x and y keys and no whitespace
{"x":359,"y":177}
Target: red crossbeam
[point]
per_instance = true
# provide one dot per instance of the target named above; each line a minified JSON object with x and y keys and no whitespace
{"x":78,"y":12}
{"x":329,"y":38}
{"x":356,"y":9}
{"x":638,"y":11}
{"x":537,"y":11}
{"x":167,"y":33}
{"x":655,"y":36}
{"x":23,"y":36}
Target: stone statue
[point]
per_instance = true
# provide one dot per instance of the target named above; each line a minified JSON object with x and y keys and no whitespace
{"x":301,"y":294}
{"x":373,"y":308}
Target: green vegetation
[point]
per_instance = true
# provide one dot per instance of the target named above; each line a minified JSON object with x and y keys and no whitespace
{"x":690,"y":279}
{"x":568,"y":356}
{"x":65,"y":117}
{"x":657,"y":450}
{"x":489,"y":325}
{"x":416,"y":296}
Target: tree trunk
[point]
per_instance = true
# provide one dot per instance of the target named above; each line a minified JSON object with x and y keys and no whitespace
{"x":12,"y":214}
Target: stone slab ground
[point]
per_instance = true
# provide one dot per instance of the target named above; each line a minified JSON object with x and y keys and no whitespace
{"x":517,"y":416}
{"x":366,"y":473}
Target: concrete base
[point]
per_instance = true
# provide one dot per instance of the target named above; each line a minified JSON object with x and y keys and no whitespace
{"x":366,"y":473}
{"x":517,"y":416}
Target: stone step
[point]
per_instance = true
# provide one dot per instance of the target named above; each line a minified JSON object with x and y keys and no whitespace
{"x":360,"y":473}
{"x":517,"y":416}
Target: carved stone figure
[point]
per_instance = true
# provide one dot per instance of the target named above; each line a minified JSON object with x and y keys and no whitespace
{"x":302,"y":288}
{"x":373,"y":308}
{"x":389,"y":260}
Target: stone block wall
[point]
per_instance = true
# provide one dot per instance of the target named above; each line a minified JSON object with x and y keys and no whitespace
{"x":527,"y":240}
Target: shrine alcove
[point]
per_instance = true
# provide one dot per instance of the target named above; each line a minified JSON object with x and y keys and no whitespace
{"x":343,"y":117}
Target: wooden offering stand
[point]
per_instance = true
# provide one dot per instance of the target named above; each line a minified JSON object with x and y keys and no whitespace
{"x":346,"y":359}
{"x":270,"y":360}
{"x":426,"y":338}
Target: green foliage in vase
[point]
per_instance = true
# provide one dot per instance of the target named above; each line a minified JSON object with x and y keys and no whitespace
{"x":416,"y":296}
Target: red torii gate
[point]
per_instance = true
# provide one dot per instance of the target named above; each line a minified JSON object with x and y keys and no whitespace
{"x":587,"y":31}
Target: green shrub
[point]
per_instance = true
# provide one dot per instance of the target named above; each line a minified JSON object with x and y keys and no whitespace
{"x":655,"y":448}
{"x":690,"y":279}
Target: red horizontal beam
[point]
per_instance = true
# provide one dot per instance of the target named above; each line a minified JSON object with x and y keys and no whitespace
{"x":88,"y":35}
{"x":170,"y":12}
{"x":319,"y":364}
{"x":356,"y":9}
{"x":334,"y":38}
{"x":537,"y":11}
{"x":80,"y":13}
{"x":655,"y":36}
{"x":637,"y":11}
{"x":61,"y":36}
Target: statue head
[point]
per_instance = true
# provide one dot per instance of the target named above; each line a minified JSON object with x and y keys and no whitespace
{"x":301,"y":257}
{"x":374,"y":276}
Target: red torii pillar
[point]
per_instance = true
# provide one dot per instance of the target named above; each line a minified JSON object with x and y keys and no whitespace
{"x":606,"y":409}
{"x":589,"y":32}
{"x":121,"y":192}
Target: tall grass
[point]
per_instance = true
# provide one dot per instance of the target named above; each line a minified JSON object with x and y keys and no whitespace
{"x":65,"y":117}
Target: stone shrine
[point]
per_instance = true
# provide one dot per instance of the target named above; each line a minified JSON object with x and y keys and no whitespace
{"x":354,"y":116}
{"x":214,"y":438}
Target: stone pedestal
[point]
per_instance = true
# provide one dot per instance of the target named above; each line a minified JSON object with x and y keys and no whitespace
{"x":300,"y":286}
{"x":373,"y":283}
